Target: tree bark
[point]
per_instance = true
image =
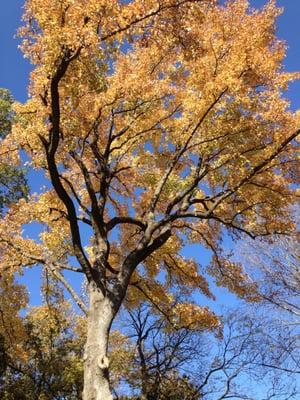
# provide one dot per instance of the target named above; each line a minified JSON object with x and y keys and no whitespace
{"x":96,"y":363}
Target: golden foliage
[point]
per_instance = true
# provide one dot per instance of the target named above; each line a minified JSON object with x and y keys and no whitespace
{"x":168,"y":117}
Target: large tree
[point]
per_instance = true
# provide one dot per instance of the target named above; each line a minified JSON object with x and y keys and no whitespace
{"x":157,"y":124}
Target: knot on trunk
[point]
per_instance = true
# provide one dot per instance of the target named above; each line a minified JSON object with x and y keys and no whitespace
{"x":103,"y":362}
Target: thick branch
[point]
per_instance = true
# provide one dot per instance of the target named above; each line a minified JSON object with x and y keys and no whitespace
{"x":124,"y":220}
{"x":97,"y":222}
{"x":133,"y":259}
{"x":51,"y":148}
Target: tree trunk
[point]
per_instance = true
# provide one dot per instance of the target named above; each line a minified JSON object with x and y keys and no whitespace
{"x":96,"y":364}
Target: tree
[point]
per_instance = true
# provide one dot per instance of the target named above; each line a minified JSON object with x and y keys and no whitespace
{"x":278,"y":258}
{"x":160,"y":354}
{"x":13,"y":183}
{"x":13,"y":186}
{"x":176,"y":388}
{"x":48,"y":362}
{"x":156,"y":362}
{"x":257,"y":358}
{"x":157,"y":124}
{"x":13,"y":298}
{"x":254,"y":348}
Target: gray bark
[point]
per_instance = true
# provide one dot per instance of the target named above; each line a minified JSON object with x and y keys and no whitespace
{"x":96,"y":363}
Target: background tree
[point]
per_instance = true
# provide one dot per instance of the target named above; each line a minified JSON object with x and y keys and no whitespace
{"x":254,"y":348}
{"x":158,"y":124}
{"x":13,"y":296}
{"x":160,"y":352}
{"x":256,"y":359}
{"x":276,"y":262}
{"x":154,"y":361}
{"x":13,"y":184}
{"x":48,"y":364}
